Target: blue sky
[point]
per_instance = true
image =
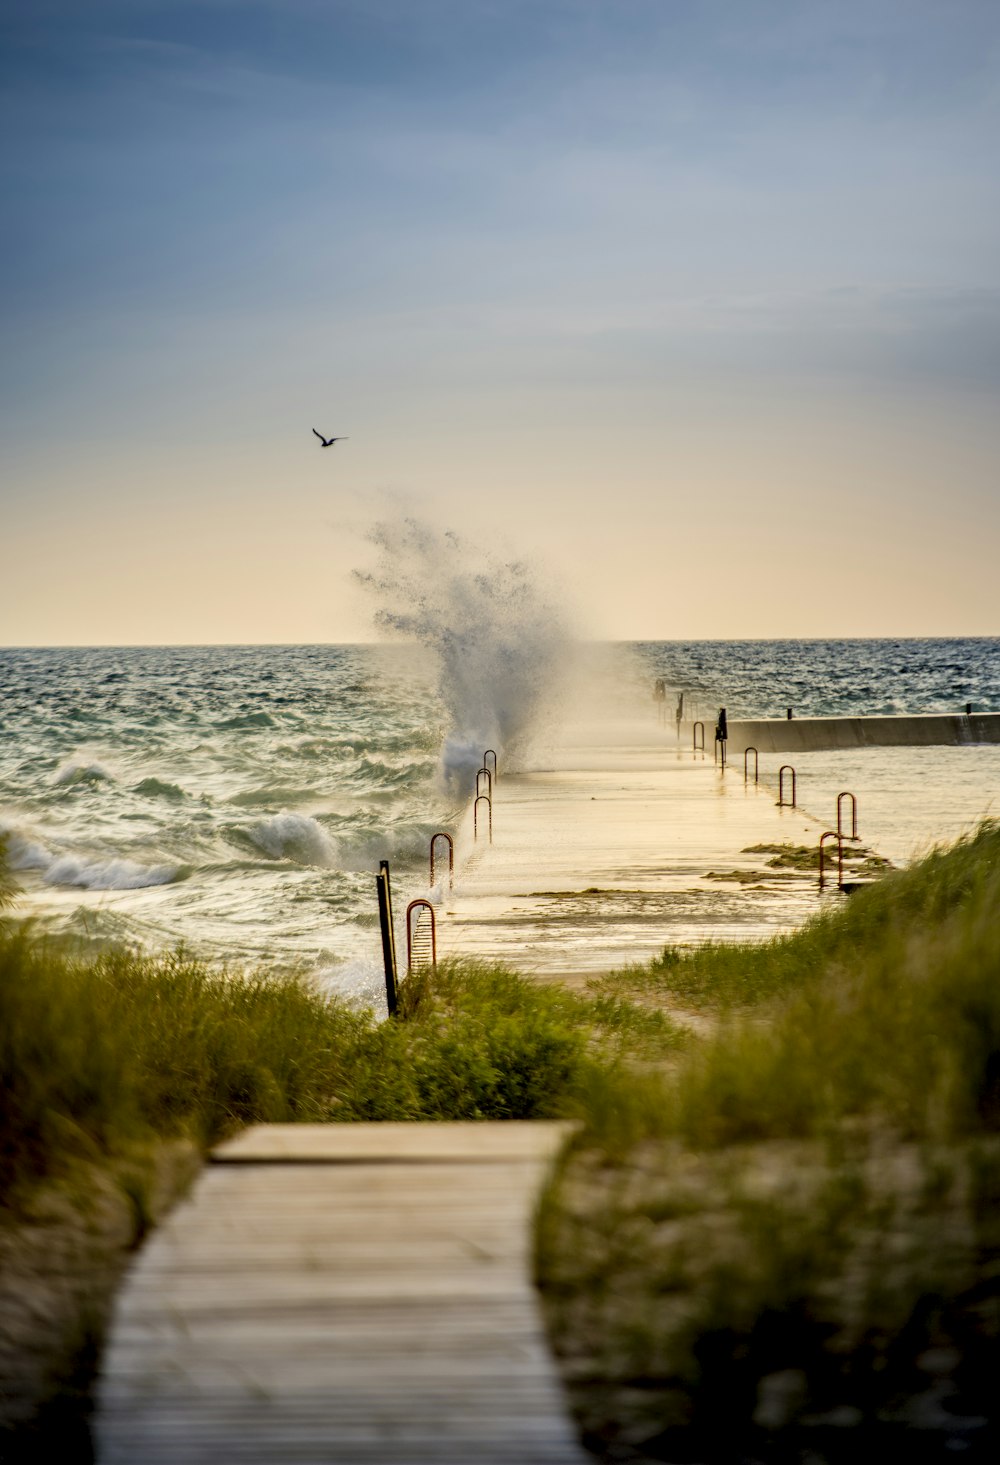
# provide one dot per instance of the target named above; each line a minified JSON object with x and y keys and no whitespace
{"x":690,"y":292}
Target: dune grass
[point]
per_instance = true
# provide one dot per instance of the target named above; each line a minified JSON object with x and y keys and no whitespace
{"x":797,"y":1213}
{"x":116,"y":1070}
{"x":98,"y":1053}
{"x":721,"y":976}
{"x":801,"y":1217}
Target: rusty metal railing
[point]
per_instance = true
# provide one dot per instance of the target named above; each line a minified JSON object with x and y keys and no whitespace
{"x":756,"y":765}
{"x":484,"y":773}
{"x":695,"y":746}
{"x":421,"y":935}
{"x":854,"y":814}
{"x":491,"y":753}
{"x":782,"y":801}
{"x":442,"y":834}
{"x":482,"y":799}
{"x":831,"y":834}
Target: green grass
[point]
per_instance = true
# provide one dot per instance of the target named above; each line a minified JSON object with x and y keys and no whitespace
{"x":801,"y":1215}
{"x":720,"y":976}
{"x":798,"y":1213}
{"x":98,"y":1053}
{"x":8,"y":885}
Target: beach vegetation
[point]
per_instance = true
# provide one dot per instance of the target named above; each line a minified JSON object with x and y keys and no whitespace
{"x":120,"y":1069}
{"x":100,"y":1052}
{"x":799,"y":1214}
{"x":784,"y":1187}
{"x":8,"y":885}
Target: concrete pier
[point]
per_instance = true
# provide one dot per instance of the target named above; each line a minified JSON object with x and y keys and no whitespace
{"x":612,"y":842}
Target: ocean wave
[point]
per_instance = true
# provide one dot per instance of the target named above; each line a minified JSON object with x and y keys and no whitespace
{"x":279,"y":794}
{"x":25,"y":852}
{"x":157,"y":788}
{"x":247,"y":720}
{"x":75,"y":772}
{"x":374,"y":778}
{"x":408,"y":743}
{"x":107,"y":874}
{"x":295,"y":837}
{"x":409,"y":844}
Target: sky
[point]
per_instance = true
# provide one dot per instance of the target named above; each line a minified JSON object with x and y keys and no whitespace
{"x":695,"y":307}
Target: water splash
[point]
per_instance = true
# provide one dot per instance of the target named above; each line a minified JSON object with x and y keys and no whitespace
{"x":499,"y":640}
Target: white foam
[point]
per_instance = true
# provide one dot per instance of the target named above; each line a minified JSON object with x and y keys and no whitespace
{"x":107,"y":874}
{"x":360,"y":982}
{"x":297,"y":837}
{"x":499,"y":641}
{"x":26,"y":852}
{"x":77,"y":772}
{"x":23,"y":850}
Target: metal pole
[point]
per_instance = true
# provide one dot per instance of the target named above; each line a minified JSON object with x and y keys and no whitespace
{"x":388,"y":938}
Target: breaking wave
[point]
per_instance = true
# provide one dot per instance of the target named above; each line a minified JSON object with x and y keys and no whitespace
{"x":497,"y":638}
{"x":108,"y":874}
{"x":294,"y":837}
{"x":158,"y":788}
{"x":83,"y":871}
{"x":76,"y":772}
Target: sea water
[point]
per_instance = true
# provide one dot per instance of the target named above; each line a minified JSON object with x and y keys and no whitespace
{"x":237,"y":800}
{"x":908,"y":799}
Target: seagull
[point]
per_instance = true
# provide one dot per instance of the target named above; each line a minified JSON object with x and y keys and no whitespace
{"x":328,"y":442}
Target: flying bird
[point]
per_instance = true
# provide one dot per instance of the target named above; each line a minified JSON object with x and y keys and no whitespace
{"x":328,"y":442}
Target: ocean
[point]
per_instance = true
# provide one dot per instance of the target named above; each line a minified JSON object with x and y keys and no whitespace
{"x":237,"y":800}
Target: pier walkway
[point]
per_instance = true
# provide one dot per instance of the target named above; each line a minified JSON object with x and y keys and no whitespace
{"x":615,"y":840}
{"x":356,"y":1293}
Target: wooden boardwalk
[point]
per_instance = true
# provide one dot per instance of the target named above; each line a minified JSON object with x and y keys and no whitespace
{"x":342,"y":1293}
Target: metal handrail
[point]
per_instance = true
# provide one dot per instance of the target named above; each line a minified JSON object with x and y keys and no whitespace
{"x":491,"y":753}
{"x":785,"y":768}
{"x":854,"y":814}
{"x":443,"y":834}
{"x":413,"y":932}
{"x":694,"y":737}
{"x":756,"y":764}
{"x":481,"y":799}
{"x":489,"y":775}
{"x":831,"y":834}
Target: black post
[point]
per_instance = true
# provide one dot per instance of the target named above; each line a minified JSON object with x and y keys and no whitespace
{"x":384,"y":867}
{"x":388,"y":938}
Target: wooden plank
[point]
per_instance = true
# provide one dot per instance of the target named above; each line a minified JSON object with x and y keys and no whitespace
{"x":365,"y":1300}
{"x":456,"y":1142}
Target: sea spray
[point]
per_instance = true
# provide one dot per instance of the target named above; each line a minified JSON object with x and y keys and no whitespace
{"x":499,"y":641}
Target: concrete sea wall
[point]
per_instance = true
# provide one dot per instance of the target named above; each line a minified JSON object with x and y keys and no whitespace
{"x":815,"y":734}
